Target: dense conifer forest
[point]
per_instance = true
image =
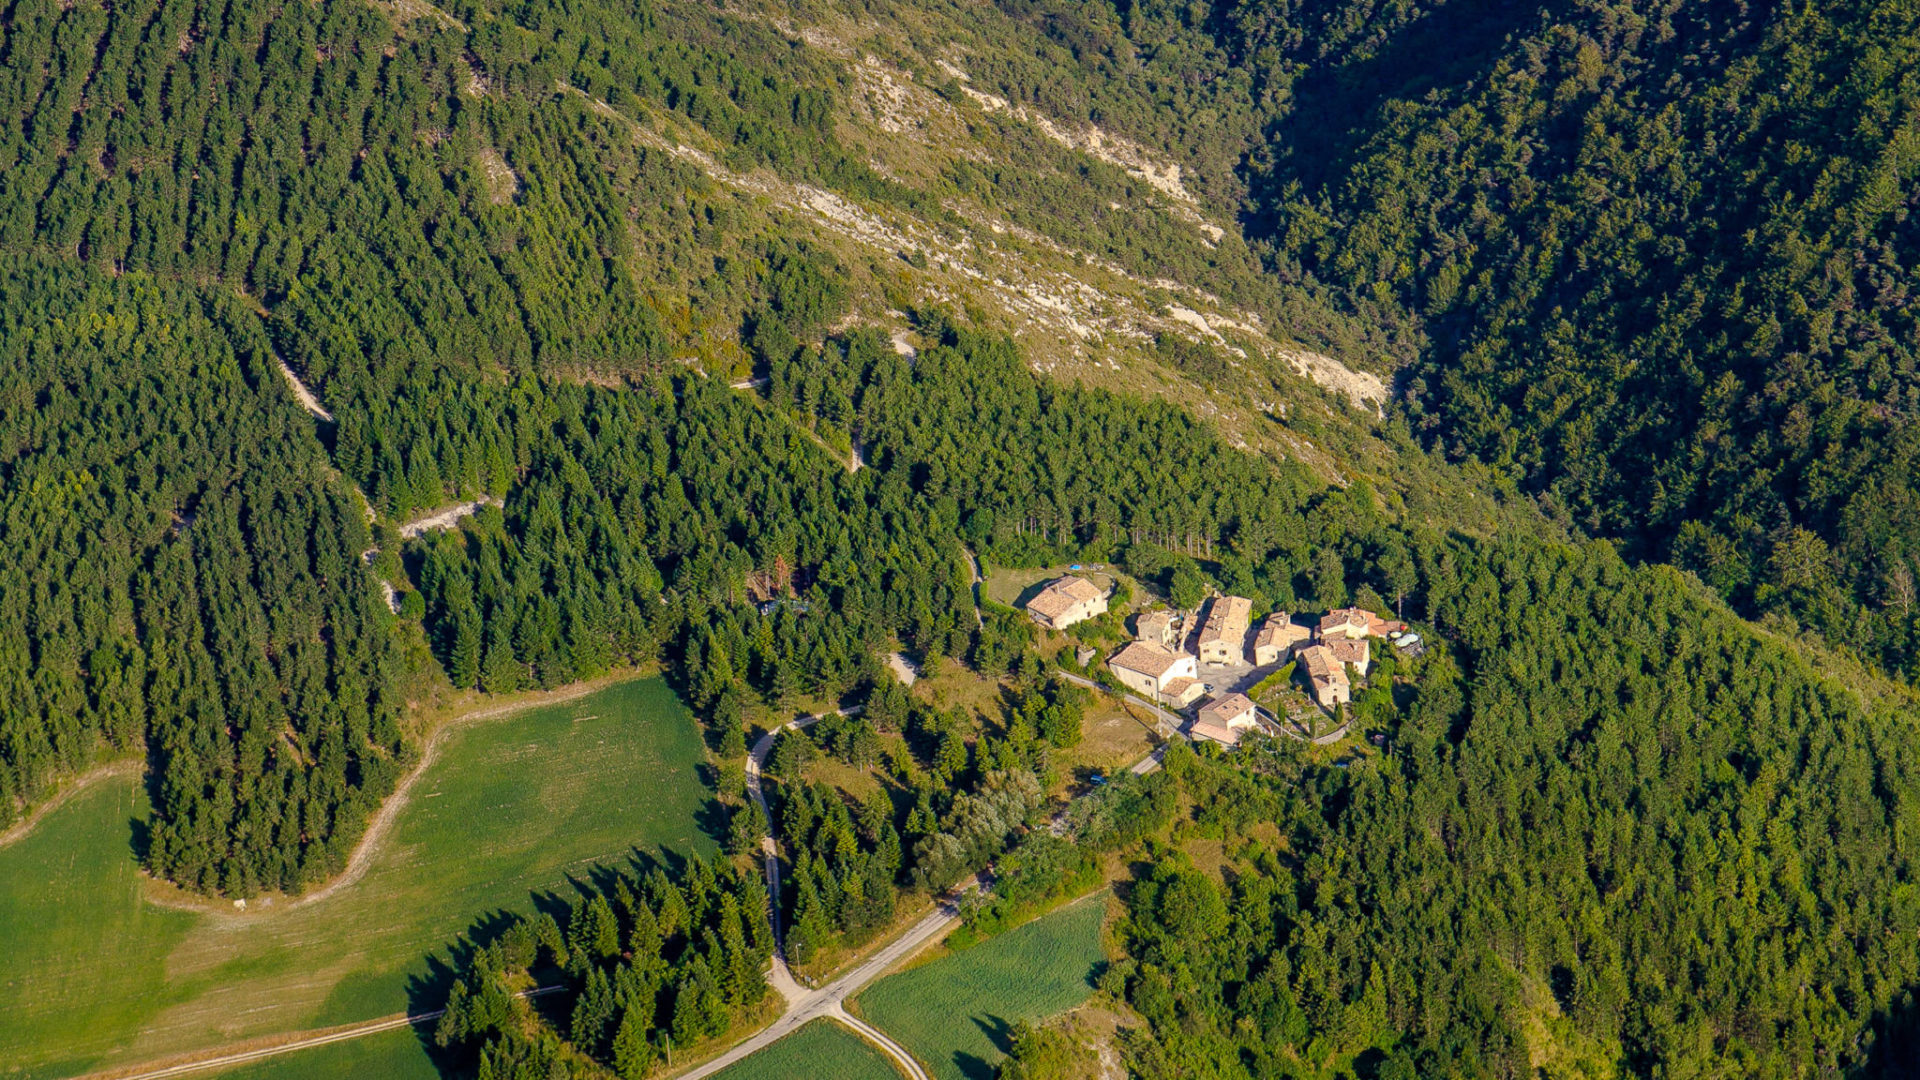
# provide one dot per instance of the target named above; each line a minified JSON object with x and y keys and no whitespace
{"x":184,"y":573}
{"x":1652,"y":259}
{"x":1646,"y":262}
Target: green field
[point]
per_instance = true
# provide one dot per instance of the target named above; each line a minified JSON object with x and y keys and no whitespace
{"x":957,"y":1012}
{"x":389,"y":1055}
{"x":823,"y":1050}
{"x":513,"y":806}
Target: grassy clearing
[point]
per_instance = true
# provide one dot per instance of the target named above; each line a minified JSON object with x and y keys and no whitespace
{"x":1014,"y":587}
{"x":514,"y":807}
{"x":1112,"y":739}
{"x":390,"y":1055}
{"x":957,"y":1013}
{"x":822,"y":1048}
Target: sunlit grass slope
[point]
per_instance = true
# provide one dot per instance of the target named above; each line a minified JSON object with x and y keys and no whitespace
{"x":513,"y":808}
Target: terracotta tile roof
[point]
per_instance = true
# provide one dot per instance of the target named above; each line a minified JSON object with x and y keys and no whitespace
{"x":1063,"y":596}
{"x":1224,"y":709}
{"x":1350,"y":652}
{"x":1181,"y":690}
{"x":1353,"y":618}
{"x":1216,"y":730}
{"x":1227,"y":619}
{"x":1153,"y":624}
{"x":1280,"y":629}
{"x":1321,"y":663}
{"x":1147,"y":658}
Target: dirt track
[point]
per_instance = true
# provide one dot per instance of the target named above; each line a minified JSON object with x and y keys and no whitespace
{"x":67,"y":791}
{"x":277,"y":1045}
{"x":382,"y":822}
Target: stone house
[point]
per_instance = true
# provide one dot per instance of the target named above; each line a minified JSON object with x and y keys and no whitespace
{"x":1157,"y":627}
{"x":1224,"y":719}
{"x":1156,"y":672}
{"x":1277,"y":638}
{"x":1326,"y":676}
{"x":1357,"y":653}
{"x":1355,"y":624}
{"x":1223,"y":636}
{"x":1067,"y":601}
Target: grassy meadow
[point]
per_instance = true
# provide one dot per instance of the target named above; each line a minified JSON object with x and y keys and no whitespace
{"x":513,"y":808}
{"x":957,"y":1013}
{"x":822,"y":1049}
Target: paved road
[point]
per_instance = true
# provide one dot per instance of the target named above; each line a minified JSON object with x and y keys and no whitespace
{"x":829,"y":1002}
{"x":1169,"y":724}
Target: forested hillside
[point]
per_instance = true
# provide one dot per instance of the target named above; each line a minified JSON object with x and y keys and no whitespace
{"x":1625,"y":837}
{"x":1027,"y":281}
{"x":183,"y":572}
{"x":1653,"y":260}
{"x":450,"y":223}
{"x":1659,"y":259}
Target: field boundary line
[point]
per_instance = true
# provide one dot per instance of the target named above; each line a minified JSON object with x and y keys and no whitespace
{"x":317,"y":1037}
{"x":382,"y":821}
{"x":902,"y":1058}
{"x":20,"y":829}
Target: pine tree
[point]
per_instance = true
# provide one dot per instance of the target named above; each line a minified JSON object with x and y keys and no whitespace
{"x":632,"y":1054}
{"x":463,"y":661}
{"x":592,"y":1013}
{"x":500,"y":671}
{"x":594,"y":931}
{"x":644,"y":942}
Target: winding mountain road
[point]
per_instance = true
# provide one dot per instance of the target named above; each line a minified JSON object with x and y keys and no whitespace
{"x":828,"y":1002}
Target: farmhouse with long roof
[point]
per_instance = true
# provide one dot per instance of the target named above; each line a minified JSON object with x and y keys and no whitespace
{"x":1067,"y":601}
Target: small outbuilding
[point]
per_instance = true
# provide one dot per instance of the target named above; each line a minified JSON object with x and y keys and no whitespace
{"x":1157,"y":627}
{"x":1225,"y":719}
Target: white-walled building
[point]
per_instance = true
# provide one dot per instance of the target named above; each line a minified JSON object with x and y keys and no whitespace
{"x":1156,"y":672}
{"x":1224,"y":719}
{"x":1067,"y":601}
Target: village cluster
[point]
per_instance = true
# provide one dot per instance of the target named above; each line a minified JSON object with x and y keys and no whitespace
{"x":1175,"y":663}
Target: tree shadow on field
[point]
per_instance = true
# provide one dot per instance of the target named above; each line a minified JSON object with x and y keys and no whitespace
{"x":548,"y":902}
{"x":427,"y":993}
{"x":641,"y":862}
{"x":712,"y":818}
{"x":999,"y":1032}
{"x":973,"y":1066}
